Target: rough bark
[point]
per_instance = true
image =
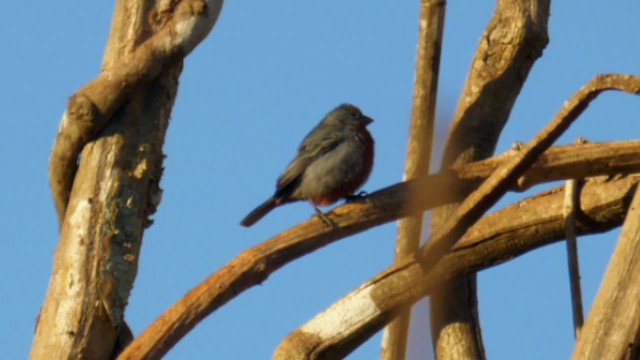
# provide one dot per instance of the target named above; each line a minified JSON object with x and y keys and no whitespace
{"x":117,"y":122}
{"x":145,"y":39}
{"x":513,"y":40}
{"x":419,"y":146}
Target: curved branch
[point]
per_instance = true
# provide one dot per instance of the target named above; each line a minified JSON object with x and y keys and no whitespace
{"x":433,"y":253}
{"x":496,"y":238}
{"x":254,"y":265}
{"x":91,"y":107}
{"x":500,"y":180}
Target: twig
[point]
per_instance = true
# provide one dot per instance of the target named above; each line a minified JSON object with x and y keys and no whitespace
{"x":419,"y":146}
{"x":571,"y":207}
{"x":253,"y":266}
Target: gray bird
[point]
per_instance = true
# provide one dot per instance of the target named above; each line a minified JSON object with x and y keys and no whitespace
{"x":332,"y":162}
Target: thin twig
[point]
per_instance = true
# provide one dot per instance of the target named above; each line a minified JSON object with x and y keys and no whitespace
{"x":571,"y":207}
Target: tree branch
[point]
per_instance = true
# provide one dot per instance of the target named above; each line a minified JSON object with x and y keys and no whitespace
{"x":511,"y":43}
{"x":571,"y":209}
{"x":496,"y":238}
{"x":419,"y":146}
{"x":613,"y":325}
{"x":181,"y":28}
{"x":116,"y":187}
{"x":472,"y":208}
{"x":254,"y":265}
{"x":499,"y":181}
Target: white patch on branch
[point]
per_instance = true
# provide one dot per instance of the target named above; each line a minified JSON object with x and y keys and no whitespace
{"x":73,"y":278}
{"x":343,"y":316}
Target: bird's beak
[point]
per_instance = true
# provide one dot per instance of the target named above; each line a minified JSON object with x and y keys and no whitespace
{"x":367,"y":120}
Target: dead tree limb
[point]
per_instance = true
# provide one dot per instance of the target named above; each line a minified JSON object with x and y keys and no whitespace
{"x":254,"y":265}
{"x":178,"y":26}
{"x":612,"y":328}
{"x":118,"y":121}
{"x":571,"y":211}
{"x":512,"y":41}
{"x":494,"y":239}
{"x":419,"y":146}
{"x":432,"y":253}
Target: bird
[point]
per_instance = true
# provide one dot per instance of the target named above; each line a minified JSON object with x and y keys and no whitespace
{"x":333,"y":161}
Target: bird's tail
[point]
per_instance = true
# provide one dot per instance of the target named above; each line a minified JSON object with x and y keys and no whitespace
{"x":259,"y":212}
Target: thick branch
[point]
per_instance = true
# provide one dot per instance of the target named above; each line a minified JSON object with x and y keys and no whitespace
{"x":494,"y":239}
{"x":253,"y":266}
{"x":612,"y":328}
{"x":487,"y":194}
{"x":116,"y":187}
{"x":511,"y":43}
{"x":91,"y":107}
{"x":419,"y":146}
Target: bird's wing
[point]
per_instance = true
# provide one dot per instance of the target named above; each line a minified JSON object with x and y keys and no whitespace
{"x":314,"y":146}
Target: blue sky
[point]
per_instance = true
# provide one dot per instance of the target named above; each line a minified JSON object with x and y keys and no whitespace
{"x":266,"y":74}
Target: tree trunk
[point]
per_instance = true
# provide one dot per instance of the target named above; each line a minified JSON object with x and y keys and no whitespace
{"x":118,"y":122}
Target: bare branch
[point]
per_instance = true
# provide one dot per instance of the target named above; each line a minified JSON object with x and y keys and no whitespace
{"x":613,"y":325}
{"x":182,"y":27}
{"x":419,"y":146}
{"x":116,"y":187}
{"x":432,"y":253}
{"x":511,"y":43}
{"x":253,"y":266}
{"x":494,"y":239}
{"x":498,"y":182}
{"x":571,"y":208}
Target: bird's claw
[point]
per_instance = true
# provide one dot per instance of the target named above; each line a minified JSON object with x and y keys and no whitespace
{"x":325,"y":219}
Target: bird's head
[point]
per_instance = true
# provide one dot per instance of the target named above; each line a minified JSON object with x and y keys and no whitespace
{"x":347,"y":114}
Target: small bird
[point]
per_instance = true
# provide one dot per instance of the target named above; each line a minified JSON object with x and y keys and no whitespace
{"x":332,"y":162}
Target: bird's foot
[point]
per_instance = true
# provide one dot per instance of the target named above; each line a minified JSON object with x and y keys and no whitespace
{"x":325,"y":219}
{"x":356,"y":197}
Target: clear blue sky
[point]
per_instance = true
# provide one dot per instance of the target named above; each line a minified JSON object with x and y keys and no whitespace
{"x":266,"y":74}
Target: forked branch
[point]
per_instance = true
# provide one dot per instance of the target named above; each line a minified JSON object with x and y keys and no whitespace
{"x":91,"y":107}
{"x":398,"y":286}
{"x":494,"y":239}
{"x":254,"y":265}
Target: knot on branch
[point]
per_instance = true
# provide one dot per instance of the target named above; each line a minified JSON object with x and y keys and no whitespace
{"x":82,"y":111}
